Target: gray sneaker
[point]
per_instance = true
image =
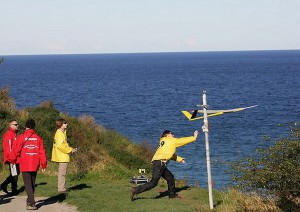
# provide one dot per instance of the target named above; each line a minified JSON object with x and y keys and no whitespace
{"x":31,"y":207}
{"x":132,"y":193}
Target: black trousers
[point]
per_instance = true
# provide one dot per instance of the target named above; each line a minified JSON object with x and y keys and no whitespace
{"x":13,"y":180}
{"x":29,"y":183}
{"x":159,"y":169}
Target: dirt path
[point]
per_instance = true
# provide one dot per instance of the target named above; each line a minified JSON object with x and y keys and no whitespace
{"x":18,"y":203}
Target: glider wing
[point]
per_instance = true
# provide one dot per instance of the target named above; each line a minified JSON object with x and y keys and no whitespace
{"x":193,"y":116}
{"x":227,"y":111}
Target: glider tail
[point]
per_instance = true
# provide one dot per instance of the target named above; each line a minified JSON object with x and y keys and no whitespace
{"x":187,"y":114}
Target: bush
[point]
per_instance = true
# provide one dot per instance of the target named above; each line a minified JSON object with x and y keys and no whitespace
{"x":7,"y":104}
{"x":45,"y":124}
{"x":275,"y":173}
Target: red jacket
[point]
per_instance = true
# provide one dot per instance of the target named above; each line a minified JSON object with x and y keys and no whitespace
{"x":8,"y":140}
{"x":30,"y":147}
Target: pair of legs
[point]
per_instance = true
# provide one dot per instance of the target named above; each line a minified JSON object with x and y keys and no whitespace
{"x":13,"y":180}
{"x":62,"y":170}
{"x":159,"y":169}
{"x":29,"y":183}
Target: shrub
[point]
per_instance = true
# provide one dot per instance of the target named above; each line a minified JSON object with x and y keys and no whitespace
{"x":45,"y":124}
{"x":7,"y":104}
{"x":275,"y":173}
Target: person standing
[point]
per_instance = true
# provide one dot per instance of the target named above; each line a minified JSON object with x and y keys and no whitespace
{"x":60,"y":153}
{"x":30,"y":147}
{"x":14,"y":170}
{"x":165,"y":152}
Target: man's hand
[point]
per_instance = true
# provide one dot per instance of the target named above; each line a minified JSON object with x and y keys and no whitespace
{"x":196,"y":134}
{"x":183,"y":161}
{"x":43,"y":170}
{"x":74,"y":150}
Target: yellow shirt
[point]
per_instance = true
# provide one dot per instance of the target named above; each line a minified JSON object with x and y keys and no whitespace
{"x":61,"y":149}
{"x":167,"y":148}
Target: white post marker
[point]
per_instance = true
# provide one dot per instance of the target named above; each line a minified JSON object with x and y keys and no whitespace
{"x":205,"y":128}
{"x":206,"y":131}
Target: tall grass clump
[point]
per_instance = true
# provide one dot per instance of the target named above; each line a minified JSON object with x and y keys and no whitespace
{"x":238,"y":201}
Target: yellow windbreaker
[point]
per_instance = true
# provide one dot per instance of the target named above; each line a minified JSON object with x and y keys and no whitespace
{"x":167,"y":148}
{"x":61,"y":149}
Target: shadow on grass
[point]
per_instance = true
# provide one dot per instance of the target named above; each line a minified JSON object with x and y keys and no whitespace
{"x":60,"y":197}
{"x":80,"y":187}
{"x":41,"y":183}
{"x":52,"y":200}
{"x":220,"y":202}
{"x":22,"y":189}
{"x":166,"y":193}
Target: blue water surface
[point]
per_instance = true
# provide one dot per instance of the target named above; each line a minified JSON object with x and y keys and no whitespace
{"x":141,"y":95}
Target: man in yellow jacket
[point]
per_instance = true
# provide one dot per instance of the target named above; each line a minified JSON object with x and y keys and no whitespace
{"x":165,"y":152}
{"x":60,"y":153}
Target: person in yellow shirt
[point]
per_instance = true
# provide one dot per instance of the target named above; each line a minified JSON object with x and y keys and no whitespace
{"x":165,"y":152}
{"x":60,"y":153}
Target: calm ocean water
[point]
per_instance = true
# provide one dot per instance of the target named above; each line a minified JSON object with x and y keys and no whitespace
{"x":141,"y":95}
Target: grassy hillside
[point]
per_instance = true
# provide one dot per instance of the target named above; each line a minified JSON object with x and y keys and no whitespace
{"x":104,"y":151}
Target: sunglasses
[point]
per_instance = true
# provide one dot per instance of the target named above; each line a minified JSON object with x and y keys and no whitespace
{"x":15,"y":124}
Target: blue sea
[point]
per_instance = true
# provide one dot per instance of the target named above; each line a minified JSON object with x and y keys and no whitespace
{"x":141,"y":95}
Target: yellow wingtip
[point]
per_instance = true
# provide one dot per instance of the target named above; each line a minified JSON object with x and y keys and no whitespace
{"x":187,"y":114}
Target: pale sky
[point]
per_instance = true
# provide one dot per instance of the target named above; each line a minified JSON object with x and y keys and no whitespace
{"x":130,"y":26}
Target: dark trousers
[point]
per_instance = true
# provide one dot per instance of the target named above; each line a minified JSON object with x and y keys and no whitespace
{"x":159,"y":169}
{"x":29,"y":183}
{"x":13,"y":180}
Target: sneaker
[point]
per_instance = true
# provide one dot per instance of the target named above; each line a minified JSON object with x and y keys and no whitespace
{"x":31,"y":207}
{"x":132,"y":193}
{"x":4,"y":188}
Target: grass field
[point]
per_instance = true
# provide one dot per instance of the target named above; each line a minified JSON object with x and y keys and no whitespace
{"x":94,"y":194}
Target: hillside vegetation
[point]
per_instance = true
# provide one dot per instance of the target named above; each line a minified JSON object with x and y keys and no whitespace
{"x":105,"y":151}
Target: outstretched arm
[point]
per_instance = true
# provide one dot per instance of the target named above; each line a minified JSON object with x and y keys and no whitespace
{"x":185,"y":140}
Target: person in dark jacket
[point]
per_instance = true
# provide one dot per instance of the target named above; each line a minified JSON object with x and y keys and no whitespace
{"x":8,"y":140}
{"x":30,"y":147}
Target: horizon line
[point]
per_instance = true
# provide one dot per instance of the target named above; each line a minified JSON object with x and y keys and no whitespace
{"x":154,"y":52}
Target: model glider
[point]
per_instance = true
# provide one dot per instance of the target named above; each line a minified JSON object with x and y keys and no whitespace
{"x":192,"y":115}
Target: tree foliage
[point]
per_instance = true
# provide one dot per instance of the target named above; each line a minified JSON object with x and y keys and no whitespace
{"x":274,"y":173}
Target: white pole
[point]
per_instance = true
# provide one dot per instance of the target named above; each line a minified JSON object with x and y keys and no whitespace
{"x":206,"y":131}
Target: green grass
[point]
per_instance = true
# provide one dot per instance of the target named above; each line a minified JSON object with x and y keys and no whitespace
{"x":95,"y":194}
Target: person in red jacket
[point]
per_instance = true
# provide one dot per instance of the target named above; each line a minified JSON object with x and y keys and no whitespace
{"x":30,"y":147}
{"x":8,"y":140}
